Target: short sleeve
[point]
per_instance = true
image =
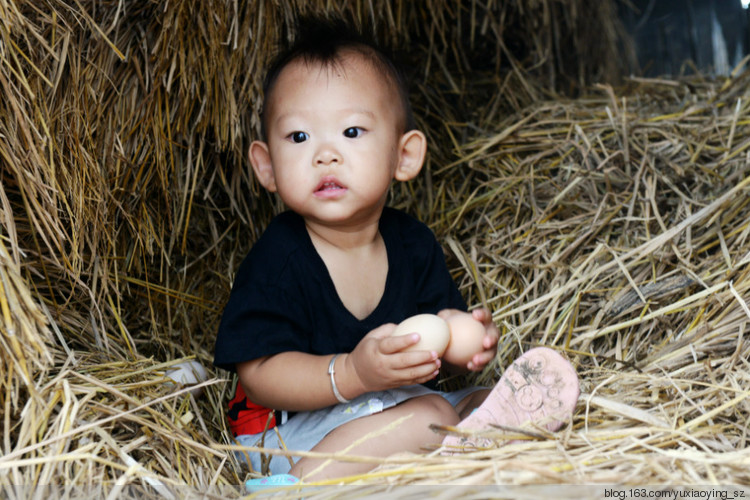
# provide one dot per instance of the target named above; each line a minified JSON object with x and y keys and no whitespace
{"x":259,"y":320}
{"x":265,"y":313}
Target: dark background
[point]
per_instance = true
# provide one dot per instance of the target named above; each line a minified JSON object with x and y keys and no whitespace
{"x":682,"y":37}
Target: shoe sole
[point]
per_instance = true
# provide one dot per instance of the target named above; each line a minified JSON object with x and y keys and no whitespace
{"x":540,"y":386}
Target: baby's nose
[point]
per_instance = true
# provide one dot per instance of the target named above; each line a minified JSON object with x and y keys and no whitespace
{"x":327,"y":154}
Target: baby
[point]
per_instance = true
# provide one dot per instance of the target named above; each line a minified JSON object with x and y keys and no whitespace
{"x":308,"y":322}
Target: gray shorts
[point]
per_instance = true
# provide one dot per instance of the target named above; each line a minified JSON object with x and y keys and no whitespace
{"x":306,"y":429}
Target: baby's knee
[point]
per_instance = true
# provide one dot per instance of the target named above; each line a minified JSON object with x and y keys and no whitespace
{"x":434,"y":409}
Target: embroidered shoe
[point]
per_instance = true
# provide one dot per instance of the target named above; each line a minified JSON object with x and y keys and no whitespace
{"x":540,"y":386}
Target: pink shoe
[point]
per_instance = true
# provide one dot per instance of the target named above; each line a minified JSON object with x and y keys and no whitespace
{"x":540,"y":386}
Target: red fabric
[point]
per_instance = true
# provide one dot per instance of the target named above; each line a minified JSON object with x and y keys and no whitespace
{"x":245,"y":417}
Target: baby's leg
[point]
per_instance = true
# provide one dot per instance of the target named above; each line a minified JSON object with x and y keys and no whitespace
{"x":411,"y":435}
{"x":471,"y":402}
{"x":540,"y":386}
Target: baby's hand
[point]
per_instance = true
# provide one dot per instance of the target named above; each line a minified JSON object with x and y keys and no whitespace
{"x":491,"y":336}
{"x":489,"y":342}
{"x":380,"y":364}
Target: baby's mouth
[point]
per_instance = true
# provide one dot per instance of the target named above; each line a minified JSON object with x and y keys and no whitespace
{"x":328,"y":184}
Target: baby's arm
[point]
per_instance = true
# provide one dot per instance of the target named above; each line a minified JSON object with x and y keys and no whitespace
{"x":297,"y":381}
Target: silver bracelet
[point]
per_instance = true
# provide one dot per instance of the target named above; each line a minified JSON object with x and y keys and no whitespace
{"x":336,"y":392}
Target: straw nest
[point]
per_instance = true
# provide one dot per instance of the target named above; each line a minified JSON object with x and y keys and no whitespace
{"x":613,"y":227}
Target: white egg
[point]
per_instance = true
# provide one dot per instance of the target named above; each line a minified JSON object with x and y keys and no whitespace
{"x":188,"y":373}
{"x":433,"y":331}
{"x":467,"y":335}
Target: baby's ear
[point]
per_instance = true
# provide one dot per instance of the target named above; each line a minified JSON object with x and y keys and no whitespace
{"x":411,"y":153}
{"x":260,"y":159}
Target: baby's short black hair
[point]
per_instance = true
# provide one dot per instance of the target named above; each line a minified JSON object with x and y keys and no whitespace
{"x":322,"y":40}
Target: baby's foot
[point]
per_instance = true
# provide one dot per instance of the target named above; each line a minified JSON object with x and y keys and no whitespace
{"x":540,"y":386}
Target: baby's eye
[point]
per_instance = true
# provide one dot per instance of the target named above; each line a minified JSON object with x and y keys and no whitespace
{"x":298,"y":137}
{"x":353,"y":132}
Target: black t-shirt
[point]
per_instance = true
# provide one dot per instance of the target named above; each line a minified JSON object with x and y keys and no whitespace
{"x":283,"y":298}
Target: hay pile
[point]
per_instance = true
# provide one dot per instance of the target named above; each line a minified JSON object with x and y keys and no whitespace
{"x":617,"y":228}
{"x":613,"y":226}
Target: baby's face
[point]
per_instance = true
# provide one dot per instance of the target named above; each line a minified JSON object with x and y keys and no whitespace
{"x":333,"y":138}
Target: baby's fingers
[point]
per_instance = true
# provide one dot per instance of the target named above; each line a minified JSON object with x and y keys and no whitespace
{"x":483,"y":315}
{"x":397,"y":343}
{"x":430,"y":374}
{"x":419,"y":373}
{"x":479,"y":360}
